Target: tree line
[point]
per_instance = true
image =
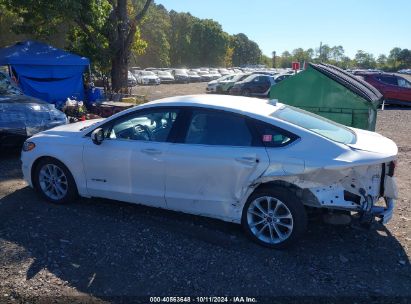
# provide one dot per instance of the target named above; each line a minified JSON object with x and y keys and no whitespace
{"x":397,"y":58}
{"x":116,"y":34}
{"x":183,"y":40}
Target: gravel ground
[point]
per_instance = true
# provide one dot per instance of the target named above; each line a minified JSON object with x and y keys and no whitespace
{"x":95,"y":248}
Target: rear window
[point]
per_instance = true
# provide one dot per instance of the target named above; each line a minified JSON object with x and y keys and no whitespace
{"x":317,"y":124}
{"x":388,"y":80}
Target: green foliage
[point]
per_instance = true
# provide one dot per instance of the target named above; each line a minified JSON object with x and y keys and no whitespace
{"x":265,"y":60}
{"x":155,"y":31}
{"x":180,"y":38}
{"x":365,"y":60}
{"x":246,"y":51}
{"x":208,"y":43}
{"x":103,"y":30}
{"x":164,"y":38}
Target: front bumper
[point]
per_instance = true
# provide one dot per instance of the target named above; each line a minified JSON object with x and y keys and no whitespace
{"x":26,"y":163}
{"x":211,"y":89}
{"x":181,"y":80}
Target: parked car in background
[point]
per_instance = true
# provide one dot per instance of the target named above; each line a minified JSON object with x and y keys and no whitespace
{"x":135,"y":70}
{"x":22,"y":116}
{"x":281,"y":77}
{"x":212,"y":85}
{"x":147,"y":77}
{"x":394,"y":88}
{"x":194,"y":77}
{"x":165,"y":77}
{"x":214,"y":74}
{"x":131,"y":80}
{"x":205,"y":76}
{"x":254,"y":85}
{"x":405,"y":71}
{"x":181,"y":76}
{"x":224,"y":87}
{"x":224,"y":72}
{"x":237,"y":159}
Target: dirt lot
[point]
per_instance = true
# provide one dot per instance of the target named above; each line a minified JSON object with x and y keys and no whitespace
{"x":99,"y":248}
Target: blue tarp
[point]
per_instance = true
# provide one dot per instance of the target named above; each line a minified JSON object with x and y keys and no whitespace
{"x":44,"y":71}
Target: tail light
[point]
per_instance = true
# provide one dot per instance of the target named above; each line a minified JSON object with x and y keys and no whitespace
{"x":391,"y":168}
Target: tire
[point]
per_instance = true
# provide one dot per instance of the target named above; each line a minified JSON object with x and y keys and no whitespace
{"x":246,"y":93}
{"x":54,"y":182}
{"x":262,"y":227}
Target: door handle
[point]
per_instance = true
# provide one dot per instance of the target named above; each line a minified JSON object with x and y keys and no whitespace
{"x":247,"y":160}
{"x":151,"y":151}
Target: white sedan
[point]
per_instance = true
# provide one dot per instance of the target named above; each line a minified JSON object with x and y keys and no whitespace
{"x":238,"y":159}
{"x":147,"y":77}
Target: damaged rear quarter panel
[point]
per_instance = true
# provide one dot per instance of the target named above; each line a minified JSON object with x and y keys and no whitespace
{"x":326,"y":169}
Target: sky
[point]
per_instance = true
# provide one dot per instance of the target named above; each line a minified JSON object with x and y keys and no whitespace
{"x":374,"y":26}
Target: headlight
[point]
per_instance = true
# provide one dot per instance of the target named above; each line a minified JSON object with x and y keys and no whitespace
{"x":28,"y":146}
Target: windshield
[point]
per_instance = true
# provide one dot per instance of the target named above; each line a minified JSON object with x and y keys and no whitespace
{"x":180,"y":72}
{"x":250,"y":77}
{"x":147,"y":73}
{"x":164,"y":74}
{"x":316,"y":124}
{"x":226,"y":77}
{"x":239,"y":77}
{"x":7,"y":88}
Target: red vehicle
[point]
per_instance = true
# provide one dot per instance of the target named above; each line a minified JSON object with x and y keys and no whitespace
{"x":394,"y":88}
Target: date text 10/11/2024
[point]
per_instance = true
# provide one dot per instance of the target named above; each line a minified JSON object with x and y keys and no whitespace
{"x":203,"y":300}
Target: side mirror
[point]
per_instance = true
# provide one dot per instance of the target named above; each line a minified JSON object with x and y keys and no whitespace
{"x":97,"y":136}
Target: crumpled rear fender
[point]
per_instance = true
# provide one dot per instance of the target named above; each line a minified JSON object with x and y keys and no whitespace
{"x":327,"y":188}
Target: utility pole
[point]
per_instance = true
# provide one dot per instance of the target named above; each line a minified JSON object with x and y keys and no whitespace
{"x":273,"y":59}
{"x":321,"y":47}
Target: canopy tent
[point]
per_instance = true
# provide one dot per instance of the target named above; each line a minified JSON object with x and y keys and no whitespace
{"x":45,"y":72}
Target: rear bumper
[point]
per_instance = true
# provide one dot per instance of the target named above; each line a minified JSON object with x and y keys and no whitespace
{"x":384,"y":213}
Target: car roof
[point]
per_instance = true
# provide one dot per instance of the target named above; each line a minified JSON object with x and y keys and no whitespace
{"x":240,"y":104}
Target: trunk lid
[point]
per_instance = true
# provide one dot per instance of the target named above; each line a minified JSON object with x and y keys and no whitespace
{"x":374,"y":142}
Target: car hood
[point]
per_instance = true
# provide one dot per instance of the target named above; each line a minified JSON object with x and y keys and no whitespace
{"x":374,"y":142}
{"x":24,"y":99}
{"x":73,"y":129}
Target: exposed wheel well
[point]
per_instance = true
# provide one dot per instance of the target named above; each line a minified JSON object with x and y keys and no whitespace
{"x":305,"y":195}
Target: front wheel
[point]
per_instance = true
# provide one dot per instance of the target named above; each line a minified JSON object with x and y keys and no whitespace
{"x":274,"y":217}
{"x":54,"y":181}
{"x":246,"y":93}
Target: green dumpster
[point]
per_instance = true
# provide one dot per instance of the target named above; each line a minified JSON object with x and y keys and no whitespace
{"x":332,"y":93}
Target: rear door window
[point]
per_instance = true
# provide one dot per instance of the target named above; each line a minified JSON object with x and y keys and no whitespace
{"x":208,"y":127}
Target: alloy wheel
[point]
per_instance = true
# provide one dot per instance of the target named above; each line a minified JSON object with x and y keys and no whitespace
{"x":270,"y":220}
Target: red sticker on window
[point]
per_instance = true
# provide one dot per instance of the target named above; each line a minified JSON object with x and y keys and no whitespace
{"x":267,"y":138}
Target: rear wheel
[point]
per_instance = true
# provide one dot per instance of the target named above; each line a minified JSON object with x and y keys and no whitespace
{"x":54,"y":181}
{"x":274,"y":217}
